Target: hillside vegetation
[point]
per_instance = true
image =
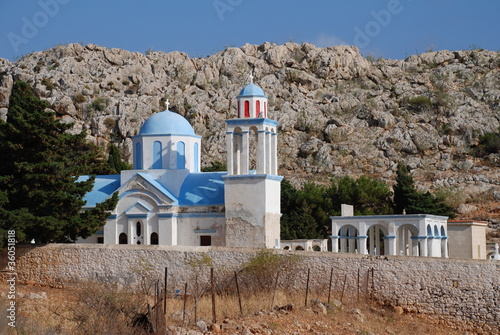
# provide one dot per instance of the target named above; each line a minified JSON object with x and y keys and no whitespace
{"x":339,"y":112}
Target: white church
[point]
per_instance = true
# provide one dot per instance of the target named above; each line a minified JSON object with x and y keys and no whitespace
{"x":166,"y":200}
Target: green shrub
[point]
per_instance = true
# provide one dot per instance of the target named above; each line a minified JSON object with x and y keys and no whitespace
{"x":47,"y":83}
{"x":489,"y":143}
{"x":79,"y":98}
{"x":99,"y":104}
{"x":260,"y":272}
{"x":420,"y":103}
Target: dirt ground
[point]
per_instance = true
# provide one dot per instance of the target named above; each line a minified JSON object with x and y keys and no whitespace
{"x":46,"y":310}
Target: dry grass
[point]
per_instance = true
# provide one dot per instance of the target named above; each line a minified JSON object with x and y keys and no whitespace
{"x":95,"y":309}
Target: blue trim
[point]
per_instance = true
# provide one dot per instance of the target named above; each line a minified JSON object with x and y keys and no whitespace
{"x":236,"y":122}
{"x":166,"y":135}
{"x":418,"y":237}
{"x":191,"y":215}
{"x":336,"y":237}
{"x":361,"y":236}
{"x":253,"y":176}
{"x":398,"y":216}
{"x":137,"y":216}
{"x":205,"y":231}
{"x":390,"y":236}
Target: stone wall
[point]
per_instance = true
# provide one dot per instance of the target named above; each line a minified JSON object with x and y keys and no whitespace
{"x":463,"y":291}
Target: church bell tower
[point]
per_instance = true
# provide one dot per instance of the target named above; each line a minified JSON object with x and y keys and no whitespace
{"x":252,"y":187}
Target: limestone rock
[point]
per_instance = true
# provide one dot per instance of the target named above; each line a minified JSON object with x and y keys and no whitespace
{"x":338,"y":112}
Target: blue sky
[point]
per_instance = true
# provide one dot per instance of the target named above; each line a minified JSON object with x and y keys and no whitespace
{"x":392,"y":29}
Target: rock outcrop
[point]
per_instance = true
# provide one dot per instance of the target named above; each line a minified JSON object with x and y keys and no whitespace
{"x":339,"y":113}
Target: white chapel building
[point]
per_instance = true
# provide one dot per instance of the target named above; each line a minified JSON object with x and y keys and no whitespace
{"x":166,"y":200}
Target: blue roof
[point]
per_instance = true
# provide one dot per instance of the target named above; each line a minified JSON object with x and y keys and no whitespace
{"x":166,"y":122}
{"x":252,"y":90}
{"x":104,"y":187}
{"x":202,"y":188}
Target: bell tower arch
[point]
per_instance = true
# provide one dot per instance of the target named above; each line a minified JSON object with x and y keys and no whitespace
{"x":252,"y":196}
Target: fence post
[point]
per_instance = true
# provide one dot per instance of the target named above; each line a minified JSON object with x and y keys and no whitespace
{"x":343,"y":288}
{"x":330,"y":285}
{"x":238,"y":291}
{"x":185,"y":301}
{"x":214,"y":316}
{"x":275,"y":286}
{"x":358,"y":285}
{"x":165,"y":293}
{"x":307,"y":287}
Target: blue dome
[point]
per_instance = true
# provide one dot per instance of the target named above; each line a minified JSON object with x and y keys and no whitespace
{"x":166,"y":122}
{"x":252,"y":90}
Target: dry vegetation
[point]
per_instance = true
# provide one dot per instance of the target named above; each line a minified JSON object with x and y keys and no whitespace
{"x":96,"y":309}
{"x":268,"y":305}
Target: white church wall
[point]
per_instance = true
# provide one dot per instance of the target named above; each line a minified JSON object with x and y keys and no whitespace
{"x":193,"y":225}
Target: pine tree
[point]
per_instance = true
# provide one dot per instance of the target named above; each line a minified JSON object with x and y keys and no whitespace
{"x":39,"y":196}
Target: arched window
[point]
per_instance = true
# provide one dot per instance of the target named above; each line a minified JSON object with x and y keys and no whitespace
{"x":122,"y":239}
{"x":317,"y":248}
{"x":154,"y":238}
{"x":138,"y":228}
{"x":138,"y":156}
{"x":429,"y":230}
{"x":157,"y":155}
{"x":239,"y":110}
{"x":196,"y":158}
{"x":181,"y":155}
{"x":443,"y":232}
{"x":299,"y":248}
{"x":247,"y":108}
{"x":257,"y":108}
{"x":436,"y":231}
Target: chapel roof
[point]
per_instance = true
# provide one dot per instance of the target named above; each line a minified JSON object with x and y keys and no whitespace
{"x":251,"y":90}
{"x":104,"y":187}
{"x":166,"y":122}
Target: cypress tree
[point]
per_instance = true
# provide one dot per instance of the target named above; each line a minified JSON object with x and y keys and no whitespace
{"x":406,"y":197}
{"x":39,"y":196}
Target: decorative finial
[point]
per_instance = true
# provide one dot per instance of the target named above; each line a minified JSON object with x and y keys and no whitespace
{"x":167,"y":103}
{"x":251,"y":77}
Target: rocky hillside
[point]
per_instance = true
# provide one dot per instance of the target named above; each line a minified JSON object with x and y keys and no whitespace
{"x":339,"y":113}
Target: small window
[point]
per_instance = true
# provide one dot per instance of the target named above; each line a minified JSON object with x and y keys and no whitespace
{"x":205,"y":240}
{"x":316,"y":248}
{"x":122,"y":239}
{"x":154,"y":238}
{"x":299,"y":248}
{"x":100,"y":240}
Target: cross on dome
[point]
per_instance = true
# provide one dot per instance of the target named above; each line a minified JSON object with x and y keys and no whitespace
{"x":251,"y":77}
{"x":167,"y":103}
